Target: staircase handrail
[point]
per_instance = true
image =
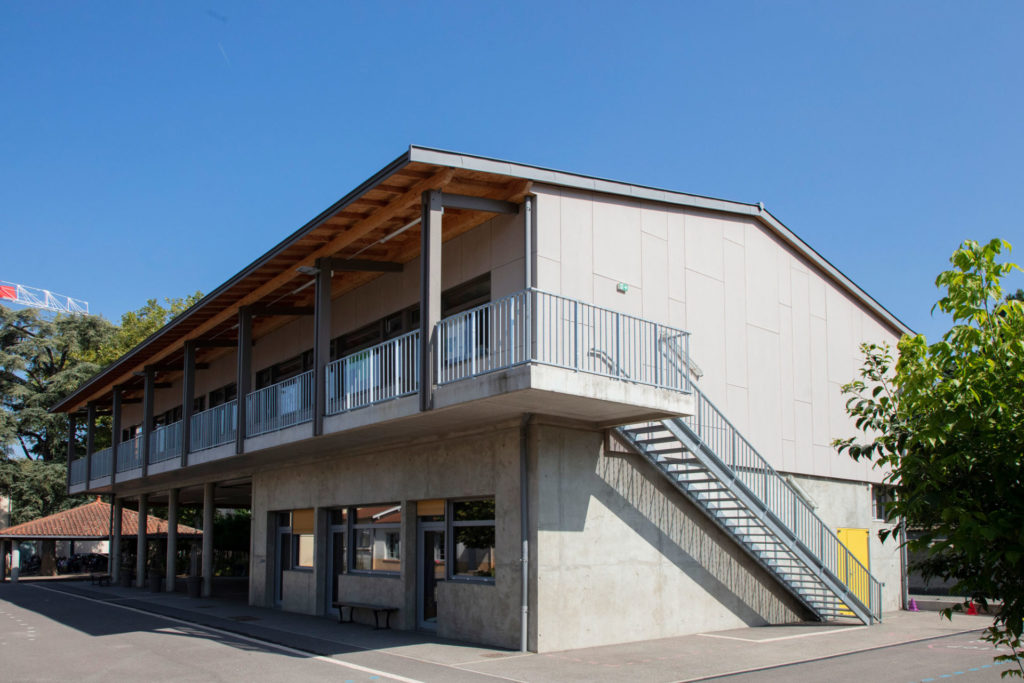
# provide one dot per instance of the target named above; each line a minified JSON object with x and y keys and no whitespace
{"x":820,"y":528}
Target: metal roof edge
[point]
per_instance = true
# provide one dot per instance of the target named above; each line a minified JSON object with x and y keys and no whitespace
{"x":363,"y":187}
{"x":561,"y":178}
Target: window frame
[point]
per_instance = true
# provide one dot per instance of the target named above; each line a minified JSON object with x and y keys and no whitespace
{"x":352,"y":539}
{"x":449,"y":539}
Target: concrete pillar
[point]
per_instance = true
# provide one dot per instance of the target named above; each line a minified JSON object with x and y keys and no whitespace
{"x":114,"y":561}
{"x":141,"y":539}
{"x":172,"y":539}
{"x":15,"y":561}
{"x":430,"y":292}
{"x":208,"y":490}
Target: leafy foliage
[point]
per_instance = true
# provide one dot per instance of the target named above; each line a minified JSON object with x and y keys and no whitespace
{"x":36,"y":487}
{"x":41,"y":361}
{"x":947,"y":423}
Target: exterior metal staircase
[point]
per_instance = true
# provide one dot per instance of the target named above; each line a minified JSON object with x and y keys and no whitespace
{"x":707,"y":459}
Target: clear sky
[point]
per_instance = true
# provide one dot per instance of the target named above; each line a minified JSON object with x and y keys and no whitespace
{"x":150,"y":149}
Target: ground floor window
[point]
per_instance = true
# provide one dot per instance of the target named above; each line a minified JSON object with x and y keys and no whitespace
{"x":471,"y":530}
{"x":376,"y":532}
{"x":302,"y":539}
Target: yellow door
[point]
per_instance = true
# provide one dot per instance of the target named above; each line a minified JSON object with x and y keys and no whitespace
{"x":856,"y":541}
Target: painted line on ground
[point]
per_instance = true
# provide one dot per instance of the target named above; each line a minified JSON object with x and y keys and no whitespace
{"x":238,"y":636}
{"x":775,"y":640}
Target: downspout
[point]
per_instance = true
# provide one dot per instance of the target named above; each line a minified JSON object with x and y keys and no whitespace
{"x":524,"y":530}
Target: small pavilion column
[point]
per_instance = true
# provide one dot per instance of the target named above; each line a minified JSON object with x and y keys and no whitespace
{"x":141,"y":539}
{"x":208,"y":490}
{"x":430,"y":292}
{"x":172,"y":539}
{"x":114,"y":561}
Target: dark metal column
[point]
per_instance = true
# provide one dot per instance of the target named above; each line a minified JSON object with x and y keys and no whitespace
{"x":115,"y":432}
{"x":244,"y":371}
{"x":430,"y":293}
{"x":147,"y":415}
{"x":90,"y":439}
{"x":321,"y":343}
{"x":71,"y":446}
{"x":188,"y":390}
{"x":208,"y":509}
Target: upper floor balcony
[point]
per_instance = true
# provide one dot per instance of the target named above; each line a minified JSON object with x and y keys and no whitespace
{"x":530,"y":351}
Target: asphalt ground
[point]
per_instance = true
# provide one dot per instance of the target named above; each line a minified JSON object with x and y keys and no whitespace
{"x":62,"y":631}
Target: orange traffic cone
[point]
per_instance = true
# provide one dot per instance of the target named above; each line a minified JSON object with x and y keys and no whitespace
{"x":913,"y":606}
{"x":971,"y":609}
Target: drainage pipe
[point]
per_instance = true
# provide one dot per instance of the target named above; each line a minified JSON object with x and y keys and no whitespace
{"x":524,"y":530}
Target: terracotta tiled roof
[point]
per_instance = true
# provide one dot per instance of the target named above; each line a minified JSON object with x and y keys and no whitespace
{"x":91,"y":520}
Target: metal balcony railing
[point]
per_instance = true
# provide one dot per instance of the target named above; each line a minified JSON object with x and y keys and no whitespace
{"x":77,"y":475}
{"x":280,"y":405}
{"x":165,"y":443}
{"x":129,"y":454}
{"x":213,"y":427}
{"x":380,"y":373}
{"x":101,"y":461}
{"x":539,"y":327}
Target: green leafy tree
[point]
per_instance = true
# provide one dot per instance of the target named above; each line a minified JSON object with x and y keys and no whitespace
{"x":136,"y":326}
{"x":41,"y":361}
{"x":37,"y":488}
{"x":946,"y":421}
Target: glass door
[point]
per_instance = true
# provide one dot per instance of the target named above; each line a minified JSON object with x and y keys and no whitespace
{"x":431,"y":571}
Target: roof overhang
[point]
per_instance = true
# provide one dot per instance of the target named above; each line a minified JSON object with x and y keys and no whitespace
{"x":371,"y":223}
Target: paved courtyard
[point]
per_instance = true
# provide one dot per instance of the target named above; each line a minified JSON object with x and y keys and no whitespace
{"x":70,"y":630}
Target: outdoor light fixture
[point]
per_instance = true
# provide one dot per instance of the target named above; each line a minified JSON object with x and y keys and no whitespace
{"x":308,"y":270}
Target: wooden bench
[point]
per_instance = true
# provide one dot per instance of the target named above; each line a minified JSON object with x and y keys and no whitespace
{"x":378,"y":610}
{"x":99,"y":579}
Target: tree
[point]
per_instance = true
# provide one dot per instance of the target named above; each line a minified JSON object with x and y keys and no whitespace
{"x":41,"y":361}
{"x":947,"y":423}
{"x":136,"y":326}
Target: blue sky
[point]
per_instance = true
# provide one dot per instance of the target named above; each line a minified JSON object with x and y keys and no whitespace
{"x":151,"y":149}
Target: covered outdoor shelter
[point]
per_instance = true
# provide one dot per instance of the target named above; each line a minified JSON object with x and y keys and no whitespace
{"x":89,"y":523}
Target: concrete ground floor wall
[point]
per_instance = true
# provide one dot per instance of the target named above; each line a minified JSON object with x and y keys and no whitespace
{"x":616,"y":553}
